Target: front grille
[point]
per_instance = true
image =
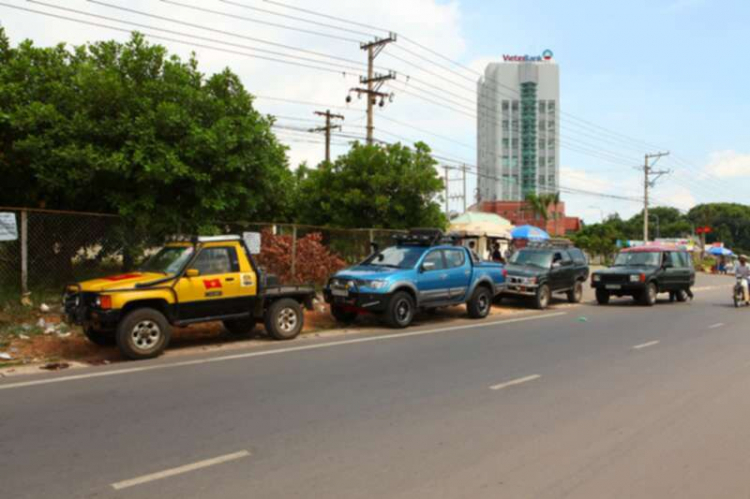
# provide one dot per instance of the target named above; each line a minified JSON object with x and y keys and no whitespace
{"x":615,"y":279}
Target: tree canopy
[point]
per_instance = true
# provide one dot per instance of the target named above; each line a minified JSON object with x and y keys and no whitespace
{"x":128,"y":129}
{"x":373,"y":186}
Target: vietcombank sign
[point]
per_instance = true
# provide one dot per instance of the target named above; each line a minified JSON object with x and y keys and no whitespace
{"x":546,"y":56}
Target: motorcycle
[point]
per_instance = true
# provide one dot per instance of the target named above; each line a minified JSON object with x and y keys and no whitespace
{"x":739,"y":297}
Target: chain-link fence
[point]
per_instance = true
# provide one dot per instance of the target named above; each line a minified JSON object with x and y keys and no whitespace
{"x":52,"y":248}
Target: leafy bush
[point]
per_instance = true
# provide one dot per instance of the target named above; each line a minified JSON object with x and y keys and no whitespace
{"x":314,"y":262}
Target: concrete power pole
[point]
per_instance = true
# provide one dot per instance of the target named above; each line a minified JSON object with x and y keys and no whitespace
{"x":648,"y":173}
{"x":328,"y":128}
{"x":374,"y":82}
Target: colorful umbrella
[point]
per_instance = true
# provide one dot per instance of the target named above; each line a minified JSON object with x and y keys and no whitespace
{"x":529,"y":232}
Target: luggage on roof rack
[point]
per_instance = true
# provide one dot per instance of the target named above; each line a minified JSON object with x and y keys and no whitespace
{"x":551,"y":243}
{"x":424,"y":237}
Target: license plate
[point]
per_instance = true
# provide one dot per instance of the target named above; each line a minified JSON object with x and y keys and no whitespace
{"x":339,"y":292}
{"x":613,"y":286}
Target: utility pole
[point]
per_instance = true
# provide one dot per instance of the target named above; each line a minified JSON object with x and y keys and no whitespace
{"x":447,"y":193}
{"x":374,"y":82}
{"x":464,"y":191}
{"x":327,"y":129}
{"x":648,"y":173}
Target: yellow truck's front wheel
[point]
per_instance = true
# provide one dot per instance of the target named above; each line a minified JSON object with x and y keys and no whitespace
{"x":143,"y":333}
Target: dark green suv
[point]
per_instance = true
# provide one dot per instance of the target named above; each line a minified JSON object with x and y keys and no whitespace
{"x":538,"y":271}
{"x":644,"y":272}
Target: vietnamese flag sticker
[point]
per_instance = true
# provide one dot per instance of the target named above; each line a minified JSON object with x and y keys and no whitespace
{"x":212,"y":283}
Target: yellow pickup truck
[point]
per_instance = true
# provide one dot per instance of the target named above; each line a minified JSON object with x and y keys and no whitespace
{"x":201,"y":280}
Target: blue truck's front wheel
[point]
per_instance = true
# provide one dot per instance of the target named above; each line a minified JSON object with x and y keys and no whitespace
{"x":400,"y":310}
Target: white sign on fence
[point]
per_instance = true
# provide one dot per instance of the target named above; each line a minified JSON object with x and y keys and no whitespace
{"x":252,"y":241}
{"x":8,"y":227}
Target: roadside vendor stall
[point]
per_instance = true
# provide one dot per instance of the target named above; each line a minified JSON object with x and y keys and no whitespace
{"x":481,"y":231}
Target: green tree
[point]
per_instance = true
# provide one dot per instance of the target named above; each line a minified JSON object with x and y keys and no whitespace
{"x":128,"y":129}
{"x":373,"y":186}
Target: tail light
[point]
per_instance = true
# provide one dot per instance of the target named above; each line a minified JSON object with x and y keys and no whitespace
{"x":505,"y":273}
{"x":643,"y":277}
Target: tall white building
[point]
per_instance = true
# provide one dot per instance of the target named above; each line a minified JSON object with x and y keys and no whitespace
{"x":519,"y":128}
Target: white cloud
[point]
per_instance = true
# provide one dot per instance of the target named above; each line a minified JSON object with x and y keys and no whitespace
{"x":726,"y":164}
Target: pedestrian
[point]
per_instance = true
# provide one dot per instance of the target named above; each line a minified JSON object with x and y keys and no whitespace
{"x":497,"y":255}
{"x":742,"y":272}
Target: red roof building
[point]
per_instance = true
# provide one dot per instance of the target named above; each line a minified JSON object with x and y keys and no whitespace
{"x":520,"y":213}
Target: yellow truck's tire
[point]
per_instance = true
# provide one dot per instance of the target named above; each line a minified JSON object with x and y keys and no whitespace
{"x":284,"y":319}
{"x":143,"y":333}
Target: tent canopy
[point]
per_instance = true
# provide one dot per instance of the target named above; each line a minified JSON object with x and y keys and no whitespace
{"x":479,"y":224}
{"x":718,"y":251}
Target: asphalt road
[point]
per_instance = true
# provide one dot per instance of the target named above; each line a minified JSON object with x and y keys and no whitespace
{"x":589,"y":401}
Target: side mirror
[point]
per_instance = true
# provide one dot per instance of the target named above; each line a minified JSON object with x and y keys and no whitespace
{"x":192,"y":273}
{"x":427,"y":266}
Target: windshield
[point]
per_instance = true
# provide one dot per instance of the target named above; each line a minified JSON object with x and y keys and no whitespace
{"x":651,"y":259}
{"x":541,"y":259}
{"x":168,"y":260}
{"x":399,"y":257}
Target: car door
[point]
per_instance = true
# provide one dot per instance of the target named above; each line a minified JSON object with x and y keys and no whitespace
{"x":559,"y":270}
{"x":432,"y":280}
{"x":458,"y":268}
{"x":216,"y":290}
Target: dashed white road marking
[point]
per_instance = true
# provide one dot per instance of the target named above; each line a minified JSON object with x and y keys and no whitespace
{"x":276,"y":351}
{"x":646,"y":345}
{"x":179,"y":470}
{"x":716,"y":326}
{"x":514,"y":382}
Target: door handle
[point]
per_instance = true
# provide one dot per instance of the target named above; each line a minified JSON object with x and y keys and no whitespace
{"x":229,"y":279}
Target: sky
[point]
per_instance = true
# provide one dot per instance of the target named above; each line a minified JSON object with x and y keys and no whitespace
{"x":637,"y":77}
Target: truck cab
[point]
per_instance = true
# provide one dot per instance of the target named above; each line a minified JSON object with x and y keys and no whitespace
{"x":421,"y":271}
{"x":185,"y":282}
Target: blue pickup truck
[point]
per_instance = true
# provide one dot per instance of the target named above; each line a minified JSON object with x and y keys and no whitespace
{"x":422,"y":271}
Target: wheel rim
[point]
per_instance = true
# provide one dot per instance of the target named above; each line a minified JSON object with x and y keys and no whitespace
{"x":403,"y":311}
{"x":145,"y":335}
{"x":483,"y":303}
{"x":287,"y":320}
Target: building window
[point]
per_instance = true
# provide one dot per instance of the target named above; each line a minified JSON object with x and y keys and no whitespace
{"x":542,"y":107}
{"x":506,"y":143}
{"x":551,"y":106}
{"x":506,"y":105}
{"x":542,"y":161}
{"x":506,"y":161}
{"x":541,"y":179}
{"x":515,"y":125}
{"x":551,"y":125}
{"x":515,"y":105}
{"x":515,"y":143}
{"x":506,"y":126}
{"x":551,"y":179}
{"x":541,"y":124}
{"x":551,"y":161}
{"x":541,"y":144}
{"x":514,"y":162}
{"x":551,"y":143}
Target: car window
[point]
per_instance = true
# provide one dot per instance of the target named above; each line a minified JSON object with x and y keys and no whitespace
{"x":578,"y":257}
{"x":435,"y":257}
{"x":637,"y":258}
{"x":216,"y":261}
{"x":536,"y":258}
{"x":455,"y":258}
{"x":399,"y":257}
{"x":680,"y":259}
{"x":565,"y":258}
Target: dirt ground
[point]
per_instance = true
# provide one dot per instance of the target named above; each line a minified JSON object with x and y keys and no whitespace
{"x":23,"y":337}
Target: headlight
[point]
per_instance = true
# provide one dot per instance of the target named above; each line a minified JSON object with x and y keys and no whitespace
{"x":635,"y":278}
{"x":374,"y":284}
{"x":351,"y":284}
{"x":597,"y":278}
{"x":529,"y":280}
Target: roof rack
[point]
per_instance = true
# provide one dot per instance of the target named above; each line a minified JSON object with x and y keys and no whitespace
{"x":424,"y":237}
{"x":552,"y":243}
